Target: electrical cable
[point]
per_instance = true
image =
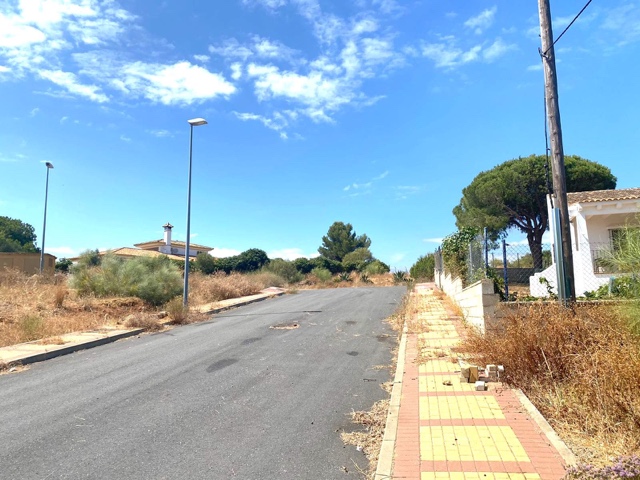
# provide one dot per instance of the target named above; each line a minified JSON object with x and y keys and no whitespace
{"x":568,"y":27}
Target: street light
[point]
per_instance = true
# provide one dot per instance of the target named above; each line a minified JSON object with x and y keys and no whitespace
{"x":44,"y":226}
{"x":194,"y":122}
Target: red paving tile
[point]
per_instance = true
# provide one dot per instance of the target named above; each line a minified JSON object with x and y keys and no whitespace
{"x":544,"y":458}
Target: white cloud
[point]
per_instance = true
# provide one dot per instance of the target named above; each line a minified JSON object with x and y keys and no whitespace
{"x":64,"y":120}
{"x":483,"y":21}
{"x":534,"y":68}
{"x":34,"y":112}
{"x":180,"y":83}
{"x":405,"y":191}
{"x":278,"y":122}
{"x":447,"y":54}
{"x":364,"y":187}
{"x":160,"y":133}
{"x":268,"y":4}
{"x":496,"y":50}
{"x":623,"y":23}
{"x":202,"y":58}
{"x":69,"y":81}
{"x":224,"y":252}
{"x":124,"y":138}
{"x":437,"y":240}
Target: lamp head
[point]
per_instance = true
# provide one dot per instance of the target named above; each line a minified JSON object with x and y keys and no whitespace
{"x":196,"y":122}
{"x":49,"y":164}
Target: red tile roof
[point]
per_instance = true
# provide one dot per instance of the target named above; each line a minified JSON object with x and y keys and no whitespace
{"x":603,"y":195}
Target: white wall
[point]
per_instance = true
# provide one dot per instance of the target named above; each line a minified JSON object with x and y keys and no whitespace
{"x":477,"y":301}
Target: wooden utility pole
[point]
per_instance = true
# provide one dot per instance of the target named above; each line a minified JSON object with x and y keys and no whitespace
{"x":557,"y":150}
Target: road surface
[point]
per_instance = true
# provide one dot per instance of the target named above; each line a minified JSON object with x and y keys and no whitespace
{"x":229,"y":398}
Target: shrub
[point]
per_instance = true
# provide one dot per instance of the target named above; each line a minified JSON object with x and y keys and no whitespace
{"x":344,"y":277}
{"x":152,"y":279}
{"x":331,"y":265}
{"x":377,"y":267}
{"x":59,"y":294}
{"x":579,"y":366}
{"x":31,"y":327}
{"x":63,"y":265}
{"x":88,"y":259}
{"x":284,"y":269}
{"x":357,"y":260}
{"x":220,"y":286}
{"x":399,"y":277}
{"x":622,"y":467}
{"x":264,"y":279}
{"x":205,"y":263}
{"x":454,"y":251}
{"x":423,"y":268}
{"x":146,"y":322}
{"x":321,"y":274}
{"x":303,"y":265}
{"x":177,"y":311}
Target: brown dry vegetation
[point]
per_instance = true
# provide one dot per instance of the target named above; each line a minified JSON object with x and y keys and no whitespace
{"x":40,"y":307}
{"x":581,"y":368}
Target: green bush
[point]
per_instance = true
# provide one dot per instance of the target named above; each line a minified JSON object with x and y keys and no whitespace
{"x":89,"y":258}
{"x":423,"y":268}
{"x":454,"y":252}
{"x":377,"y":268}
{"x":303,"y":265}
{"x":152,"y":279}
{"x":331,"y":265}
{"x":357,"y":260}
{"x":284,"y":269}
{"x":321,"y":274}
{"x":63,"y":265}
{"x":205,"y":263}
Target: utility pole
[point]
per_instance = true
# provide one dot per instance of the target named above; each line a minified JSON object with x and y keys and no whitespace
{"x":557,"y":151}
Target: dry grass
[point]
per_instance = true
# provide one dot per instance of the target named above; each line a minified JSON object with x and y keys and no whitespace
{"x":33,"y":307}
{"x":369,"y":440}
{"x":147,"y":322}
{"x":176,"y":310}
{"x":220,"y":286}
{"x":581,"y":368}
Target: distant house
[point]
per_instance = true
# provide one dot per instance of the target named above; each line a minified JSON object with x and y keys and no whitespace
{"x":164,"y":247}
{"x":597,"y":218}
{"x":169,"y":247}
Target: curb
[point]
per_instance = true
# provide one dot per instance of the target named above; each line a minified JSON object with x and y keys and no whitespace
{"x":58,"y":352}
{"x":385,"y":458}
{"x":241,"y":304}
{"x":567,"y":455}
{"x":47,"y":355}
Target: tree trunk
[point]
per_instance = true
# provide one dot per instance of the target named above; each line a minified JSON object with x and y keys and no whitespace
{"x":535,"y":246}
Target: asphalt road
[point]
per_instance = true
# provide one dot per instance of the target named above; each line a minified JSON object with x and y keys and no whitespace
{"x":224,"y":399}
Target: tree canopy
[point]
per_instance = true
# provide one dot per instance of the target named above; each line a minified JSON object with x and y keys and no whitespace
{"x":513,"y":195}
{"x":341,"y":240}
{"x":17,"y":236}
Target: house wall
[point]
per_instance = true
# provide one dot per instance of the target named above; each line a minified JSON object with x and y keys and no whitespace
{"x":27,"y":262}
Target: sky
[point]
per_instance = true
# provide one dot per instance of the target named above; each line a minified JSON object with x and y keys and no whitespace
{"x":370,"y":112}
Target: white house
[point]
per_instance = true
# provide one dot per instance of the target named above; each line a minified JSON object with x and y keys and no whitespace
{"x":596,"y":218}
{"x":172,"y":247}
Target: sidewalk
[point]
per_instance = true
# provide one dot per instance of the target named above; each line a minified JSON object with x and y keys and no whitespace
{"x":31,"y":352}
{"x":447,"y":430}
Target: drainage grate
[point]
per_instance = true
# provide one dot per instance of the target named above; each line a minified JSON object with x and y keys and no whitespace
{"x":285,"y":326}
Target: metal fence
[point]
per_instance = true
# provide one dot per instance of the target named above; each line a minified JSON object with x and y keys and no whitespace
{"x":519,"y":272}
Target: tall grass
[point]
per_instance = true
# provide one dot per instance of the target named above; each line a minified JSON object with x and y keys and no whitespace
{"x":580,"y":367}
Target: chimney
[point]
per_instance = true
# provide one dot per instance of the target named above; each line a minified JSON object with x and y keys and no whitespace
{"x":167,"y":234}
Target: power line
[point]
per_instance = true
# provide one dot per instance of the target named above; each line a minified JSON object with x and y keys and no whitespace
{"x":568,"y":27}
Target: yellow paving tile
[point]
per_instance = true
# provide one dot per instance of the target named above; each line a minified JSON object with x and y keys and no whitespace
{"x":438,"y":334}
{"x":460,"y":407}
{"x":437,"y":342}
{"x":441,"y":443}
{"x":435,"y":383}
{"x":437,"y":365}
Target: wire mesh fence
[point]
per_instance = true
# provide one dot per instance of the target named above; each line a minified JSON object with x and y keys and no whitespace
{"x":521,"y":270}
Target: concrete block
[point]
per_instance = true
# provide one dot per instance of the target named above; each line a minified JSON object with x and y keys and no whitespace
{"x":481,"y":386}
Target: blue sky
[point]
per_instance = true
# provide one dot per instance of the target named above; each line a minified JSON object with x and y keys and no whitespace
{"x":372,"y":112}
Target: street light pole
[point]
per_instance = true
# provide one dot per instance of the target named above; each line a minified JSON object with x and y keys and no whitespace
{"x":44,"y":226}
{"x":195,"y":122}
